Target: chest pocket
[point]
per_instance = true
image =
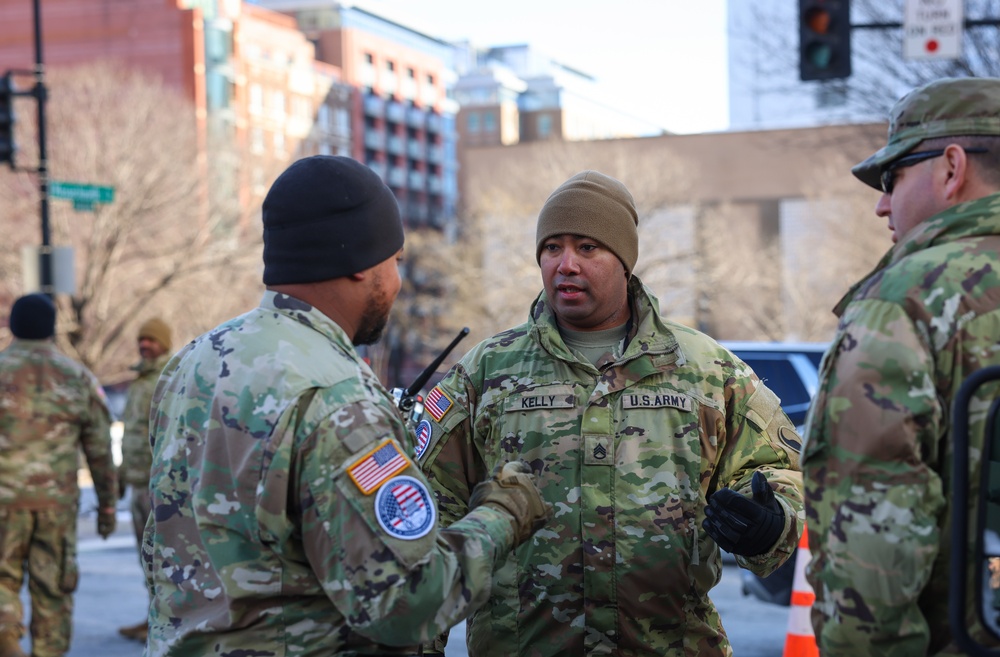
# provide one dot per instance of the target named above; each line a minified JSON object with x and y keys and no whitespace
{"x":537,"y":423}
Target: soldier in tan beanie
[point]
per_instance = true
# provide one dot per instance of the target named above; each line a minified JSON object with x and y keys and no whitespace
{"x":154,"y":343}
{"x":655,"y":445}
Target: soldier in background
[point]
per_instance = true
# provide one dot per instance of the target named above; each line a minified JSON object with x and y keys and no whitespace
{"x":288,"y":517}
{"x":878,"y":451}
{"x":50,"y":408}
{"x":655,"y":444}
{"x":154,"y":341}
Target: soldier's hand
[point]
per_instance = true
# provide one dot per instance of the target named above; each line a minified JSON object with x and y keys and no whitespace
{"x":512,"y":488}
{"x":742,"y":525}
{"x":106,"y":521}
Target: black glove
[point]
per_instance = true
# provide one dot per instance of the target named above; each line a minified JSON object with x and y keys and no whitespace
{"x":741,"y":525}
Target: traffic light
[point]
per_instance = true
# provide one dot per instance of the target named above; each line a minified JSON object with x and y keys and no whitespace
{"x":824,"y":39}
{"x":7,"y":146}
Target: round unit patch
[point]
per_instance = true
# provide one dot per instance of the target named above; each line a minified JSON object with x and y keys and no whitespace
{"x":404,"y":508}
{"x":423,"y":437}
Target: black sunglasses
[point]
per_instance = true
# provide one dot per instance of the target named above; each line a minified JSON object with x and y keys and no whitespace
{"x":888,"y":175}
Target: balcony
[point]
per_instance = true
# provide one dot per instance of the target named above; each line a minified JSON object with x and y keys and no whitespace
{"x":434,"y":184}
{"x":417,"y":212}
{"x":374,"y":106}
{"x":435,"y":154}
{"x":415,"y":149}
{"x":395,"y":145}
{"x":434,"y":123}
{"x":417,"y":180}
{"x":374,"y":140}
{"x":395,"y":112}
{"x":397,"y":177}
{"x":416,"y":117}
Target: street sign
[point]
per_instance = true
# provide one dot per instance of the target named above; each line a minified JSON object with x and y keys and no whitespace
{"x":63,"y":269}
{"x":83,"y":196}
{"x":932,"y":29}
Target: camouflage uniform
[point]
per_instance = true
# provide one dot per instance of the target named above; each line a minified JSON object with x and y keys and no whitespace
{"x":627,"y":453}
{"x":877,"y":456}
{"x":136,"y":455}
{"x":50,"y":407}
{"x":288,"y":518}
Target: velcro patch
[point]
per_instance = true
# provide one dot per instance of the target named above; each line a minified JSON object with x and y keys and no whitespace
{"x":374,"y":468}
{"x":438,"y":403}
{"x":541,"y":401}
{"x":404,"y":509}
{"x":423,"y":437}
{"x":657,"y":400}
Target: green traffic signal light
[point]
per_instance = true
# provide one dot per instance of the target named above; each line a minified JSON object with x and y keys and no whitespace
{"x":824,"y":39}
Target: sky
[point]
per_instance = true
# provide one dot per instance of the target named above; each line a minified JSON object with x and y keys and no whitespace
{"x":661,"y":60}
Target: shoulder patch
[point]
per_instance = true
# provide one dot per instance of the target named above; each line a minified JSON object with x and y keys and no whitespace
{"x":423,"y":437}
{"x":404,"y":509}
{"x":438,"y":403}
{"x":374,"y":468}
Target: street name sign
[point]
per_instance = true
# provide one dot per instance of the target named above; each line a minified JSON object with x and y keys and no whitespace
{"x":932,"y":29}
{"x":83,"y":196}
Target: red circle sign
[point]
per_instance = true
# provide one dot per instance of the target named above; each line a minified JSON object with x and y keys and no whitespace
{"x":931,"y":45}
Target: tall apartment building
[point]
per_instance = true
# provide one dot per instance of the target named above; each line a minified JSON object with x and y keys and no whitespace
{"x":514,"y":94}
{"x":250,"y":75}
{"x":404,"y":122}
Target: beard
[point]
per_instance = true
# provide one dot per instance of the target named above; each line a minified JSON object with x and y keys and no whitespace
{"x":375,"y":317}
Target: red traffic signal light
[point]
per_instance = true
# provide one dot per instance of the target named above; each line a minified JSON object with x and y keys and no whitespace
{"x":824,"y":39}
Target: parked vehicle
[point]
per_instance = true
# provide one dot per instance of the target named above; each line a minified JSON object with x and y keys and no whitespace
{"x":791,"y":370}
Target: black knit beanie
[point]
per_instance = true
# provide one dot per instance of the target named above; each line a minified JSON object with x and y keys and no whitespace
{"x":33,"y":317}
{"x":327,"y":217}
{"x":592,"y":205}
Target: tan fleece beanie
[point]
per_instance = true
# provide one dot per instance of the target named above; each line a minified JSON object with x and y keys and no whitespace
{"x":156,"y":329}
{"x":593,"y":205}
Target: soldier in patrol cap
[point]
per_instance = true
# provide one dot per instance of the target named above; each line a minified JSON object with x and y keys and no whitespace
{"x":153,"y":341}
{"x":51,"y":409}
{"x":288,"y":517}
{"x":656,"y":446}
{"x":878,"y":447}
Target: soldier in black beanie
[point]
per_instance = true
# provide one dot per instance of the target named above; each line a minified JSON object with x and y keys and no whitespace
{"x":282,"y":473}
{"x":52,"y":410}
{"x":33,"y":317}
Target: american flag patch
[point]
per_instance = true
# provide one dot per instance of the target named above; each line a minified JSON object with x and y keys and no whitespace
{"x":375,"y":467}
{"x":437,"y":403}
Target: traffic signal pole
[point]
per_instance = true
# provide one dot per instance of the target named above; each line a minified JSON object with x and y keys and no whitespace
{"x":45,"y":253}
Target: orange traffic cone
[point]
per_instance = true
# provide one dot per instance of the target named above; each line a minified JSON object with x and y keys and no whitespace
{"x":800,"y":640}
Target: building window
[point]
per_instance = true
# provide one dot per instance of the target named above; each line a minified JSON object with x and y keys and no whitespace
{"x":489,"y":122}
{"x":256,"y":99}
{"x":369,"y":58}
{"x":472,"y":122}
{"x":544,"y":125}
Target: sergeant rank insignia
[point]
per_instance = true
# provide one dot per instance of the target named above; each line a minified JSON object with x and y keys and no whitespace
{"x":437,"y":404}
{"x":375,"y":467}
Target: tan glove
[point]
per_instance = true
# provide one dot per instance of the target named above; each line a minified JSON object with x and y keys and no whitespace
{"x":106,"y":522}
{"x":512,"y":489}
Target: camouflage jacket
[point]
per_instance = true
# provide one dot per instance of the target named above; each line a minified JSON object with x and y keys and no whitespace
{"x":136,"y":455}
{"x":877,"y":456}
{"x":627,"y":453}
{"x":51,"y":407}
{"x":288,"y":518}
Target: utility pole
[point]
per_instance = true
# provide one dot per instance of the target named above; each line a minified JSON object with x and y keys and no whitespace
{"x":45,"y":253}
